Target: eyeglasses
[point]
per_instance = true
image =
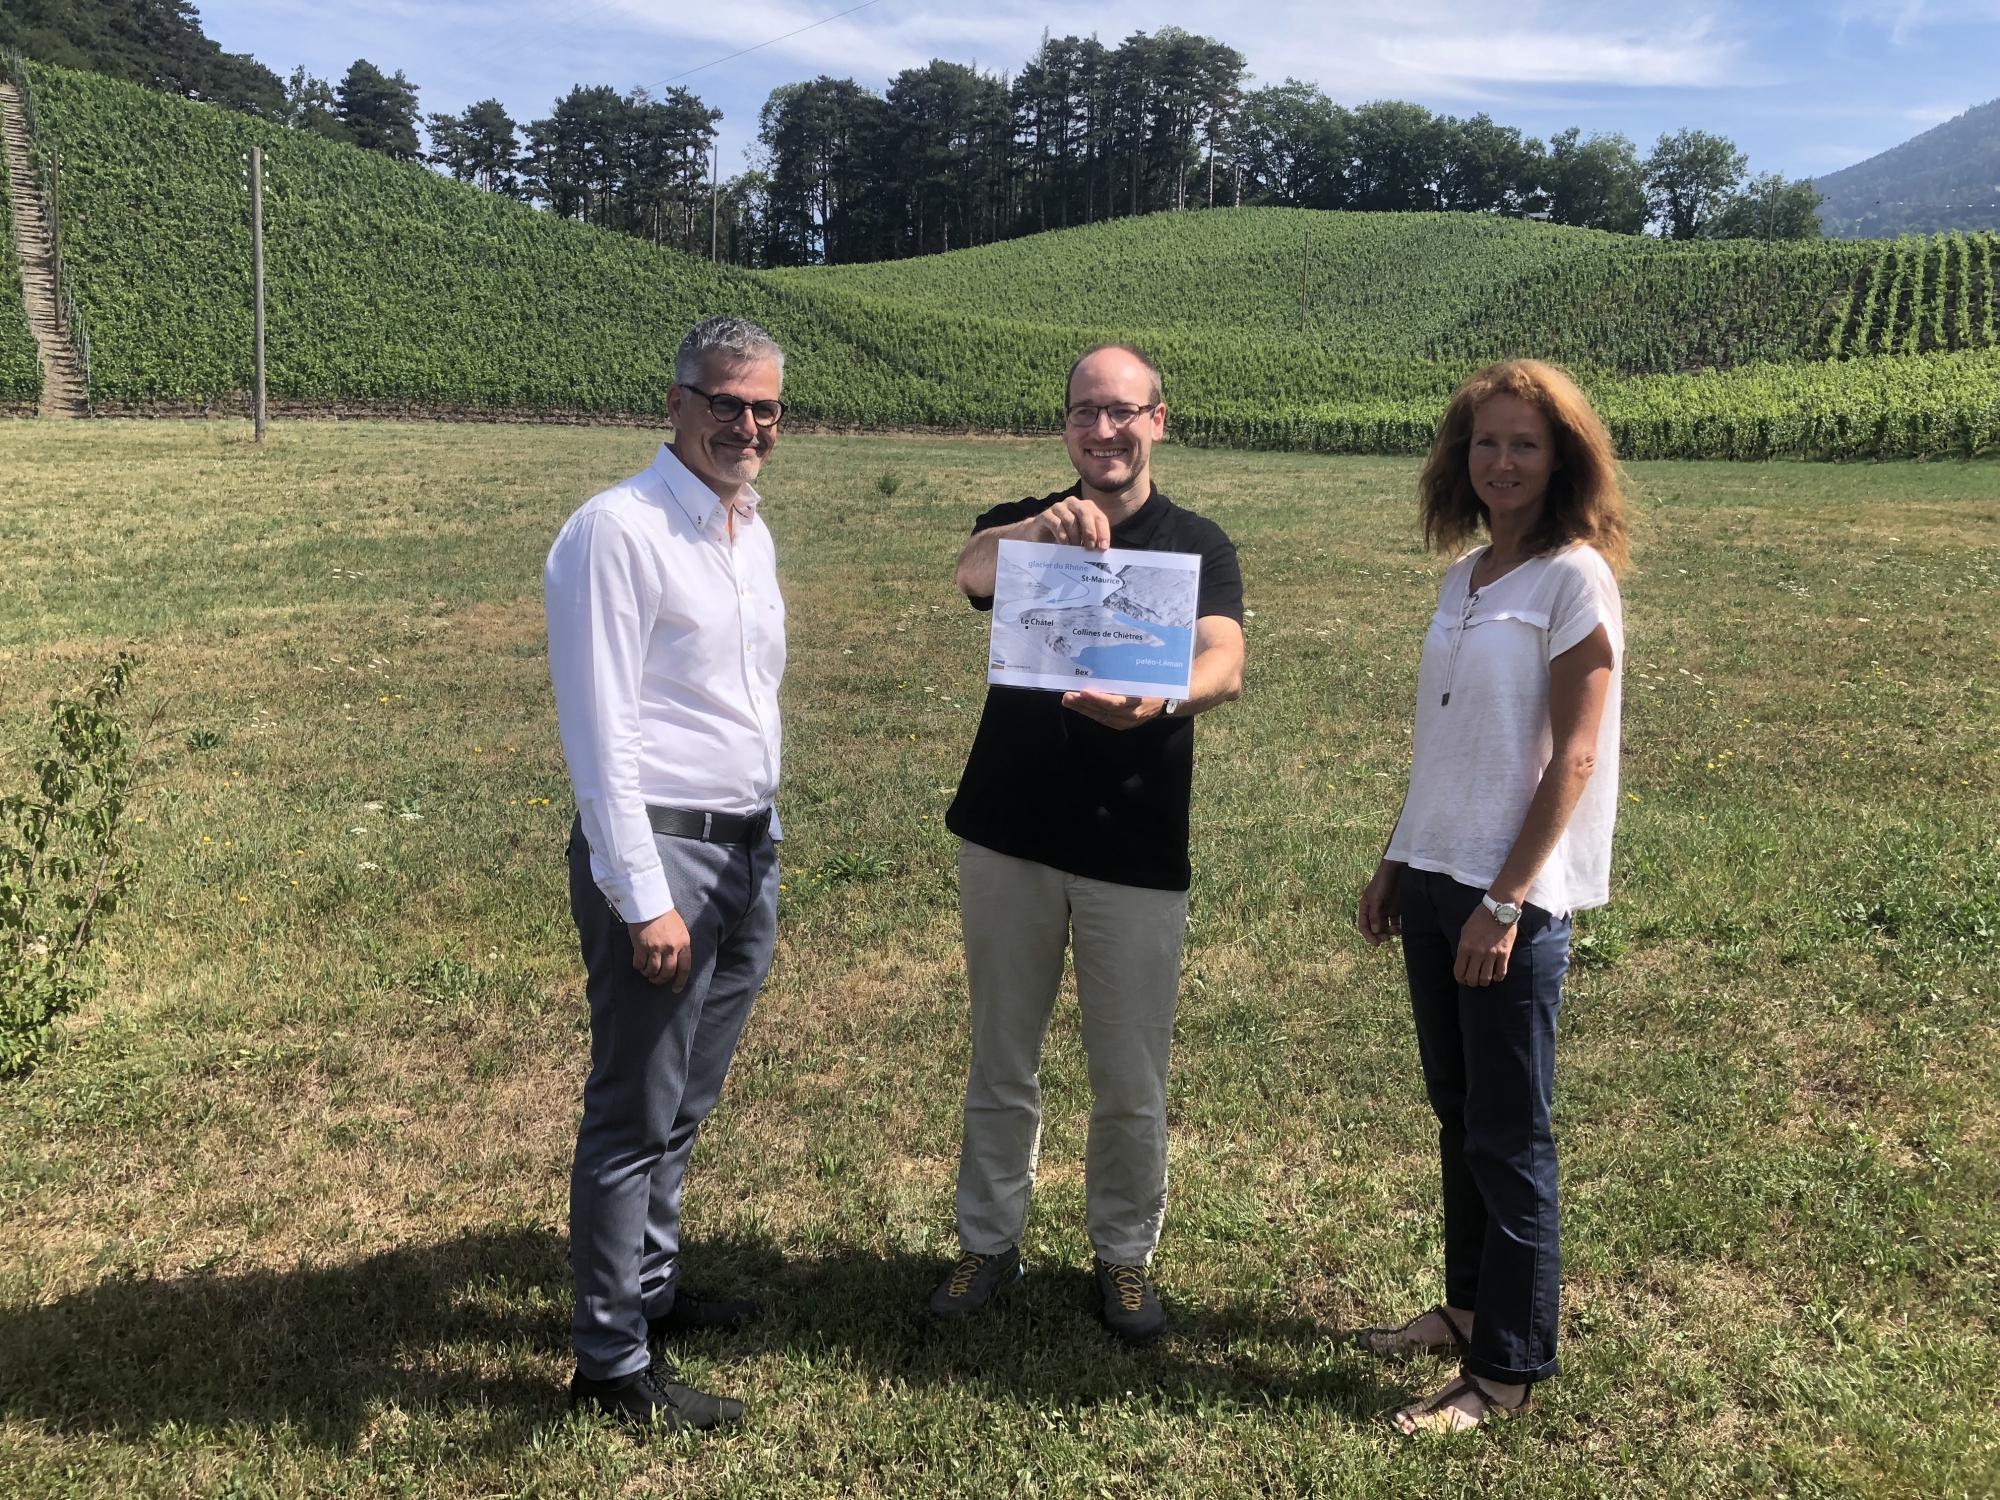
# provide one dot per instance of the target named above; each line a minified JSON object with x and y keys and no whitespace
{"x":726,"y":408}
{"x":1124,"y":414}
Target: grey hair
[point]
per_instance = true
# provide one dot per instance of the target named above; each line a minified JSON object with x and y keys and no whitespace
{"x":736,"y":338}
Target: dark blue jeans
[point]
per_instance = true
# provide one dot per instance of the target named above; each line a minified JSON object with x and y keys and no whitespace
{"x":657,"y":1064}
{"x":1489,"y":1067}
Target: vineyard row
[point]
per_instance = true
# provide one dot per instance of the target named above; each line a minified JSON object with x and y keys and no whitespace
{"x":1923,"y":294}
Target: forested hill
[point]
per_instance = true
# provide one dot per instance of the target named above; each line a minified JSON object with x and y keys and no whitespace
{"x":394,"y":289}
{"x":1946,"y":178}
{"x":158,"y":43}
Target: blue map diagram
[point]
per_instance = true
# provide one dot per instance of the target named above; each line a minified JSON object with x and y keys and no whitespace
{"x":1070,"y":620}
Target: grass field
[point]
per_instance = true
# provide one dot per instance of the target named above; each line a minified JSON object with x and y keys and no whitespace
{"x":284,"y":1212}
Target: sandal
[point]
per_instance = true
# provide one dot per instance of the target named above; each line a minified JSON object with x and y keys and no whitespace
{"x":1441,"y":1413}
{"x":1393,"y":1341}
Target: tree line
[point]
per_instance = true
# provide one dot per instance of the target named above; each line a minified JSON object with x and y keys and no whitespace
{"x":639,"y":163}
{"x":949,"y":156}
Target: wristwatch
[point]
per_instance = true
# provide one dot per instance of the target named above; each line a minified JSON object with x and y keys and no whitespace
{"x":1168,"y":711}
{"x":1506,"y":913}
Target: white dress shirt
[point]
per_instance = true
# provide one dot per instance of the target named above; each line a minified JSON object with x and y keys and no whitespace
{"x":666,"y":644}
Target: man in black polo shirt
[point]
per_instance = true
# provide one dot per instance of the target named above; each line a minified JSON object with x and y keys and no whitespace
{"x":1073,"y":813}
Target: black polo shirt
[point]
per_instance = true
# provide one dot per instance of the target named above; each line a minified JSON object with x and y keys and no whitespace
{"x":1047,"y":784}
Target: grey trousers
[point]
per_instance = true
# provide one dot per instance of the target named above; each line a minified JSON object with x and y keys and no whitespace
{"x":657,"y":1063}
{"x":1019,"y":917}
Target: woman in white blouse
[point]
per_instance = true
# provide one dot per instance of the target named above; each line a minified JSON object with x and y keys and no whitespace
{"x":1505,"y":832}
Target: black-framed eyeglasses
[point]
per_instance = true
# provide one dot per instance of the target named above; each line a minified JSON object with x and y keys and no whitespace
{"x":1123,"y":414}
{"x":726,"y":408}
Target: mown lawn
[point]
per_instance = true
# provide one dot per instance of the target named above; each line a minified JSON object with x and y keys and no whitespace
{"x":284,"y":1213}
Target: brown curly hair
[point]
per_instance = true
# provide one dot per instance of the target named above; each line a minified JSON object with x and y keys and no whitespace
{"x":1584,"y":501}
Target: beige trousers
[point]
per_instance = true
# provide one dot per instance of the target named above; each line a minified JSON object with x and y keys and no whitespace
{"x":1019,"y":918}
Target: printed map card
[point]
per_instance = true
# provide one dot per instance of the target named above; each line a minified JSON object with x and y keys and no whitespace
{"x":1072,"y":620}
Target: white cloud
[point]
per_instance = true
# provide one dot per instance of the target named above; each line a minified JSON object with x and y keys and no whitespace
{"x":1696,"y":61}
{"x":1908,"y":21}
{"x":1917,"y":15}
{"x":1356,"y":50}
{"x":1928,"y":115}
{"x":876,"y":42}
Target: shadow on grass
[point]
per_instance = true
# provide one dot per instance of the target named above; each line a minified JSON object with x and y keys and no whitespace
{"x":322,"y":1348}
{"x":455,"y":1325}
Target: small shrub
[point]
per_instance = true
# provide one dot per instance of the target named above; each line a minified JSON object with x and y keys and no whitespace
{"x":887,"y":483}
{"x":63,"y":863}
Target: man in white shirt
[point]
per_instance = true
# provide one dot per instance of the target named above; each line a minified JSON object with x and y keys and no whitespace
{"x":666,"y":644}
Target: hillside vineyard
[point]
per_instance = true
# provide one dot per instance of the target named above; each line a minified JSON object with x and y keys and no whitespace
{"x":393,"y":289}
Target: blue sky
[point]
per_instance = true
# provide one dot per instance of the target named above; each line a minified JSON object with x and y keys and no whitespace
{"x":1805,"y":89}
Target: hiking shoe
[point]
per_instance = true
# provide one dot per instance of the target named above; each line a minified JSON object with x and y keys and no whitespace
{"x":653,"y":1397}
{"x":692,"y":1315}
{"x":1130,"y":1309}
{"x":974,"y":1280}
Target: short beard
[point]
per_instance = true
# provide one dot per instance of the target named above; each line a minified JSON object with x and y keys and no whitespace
{"x":1117,"y":475}
{"x":737,"y":470}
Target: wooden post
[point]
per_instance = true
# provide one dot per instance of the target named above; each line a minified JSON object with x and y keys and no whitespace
{"x":257,"y":263}
{"x":1305,"y":280}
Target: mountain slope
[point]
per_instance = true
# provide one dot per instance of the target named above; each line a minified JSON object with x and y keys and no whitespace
{"x":1946,"y":178}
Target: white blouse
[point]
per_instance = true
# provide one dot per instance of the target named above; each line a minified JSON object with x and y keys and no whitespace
{"x":1482,"y":733}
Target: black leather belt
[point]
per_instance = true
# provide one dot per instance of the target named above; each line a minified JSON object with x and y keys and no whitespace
{"x":710,"y":828}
